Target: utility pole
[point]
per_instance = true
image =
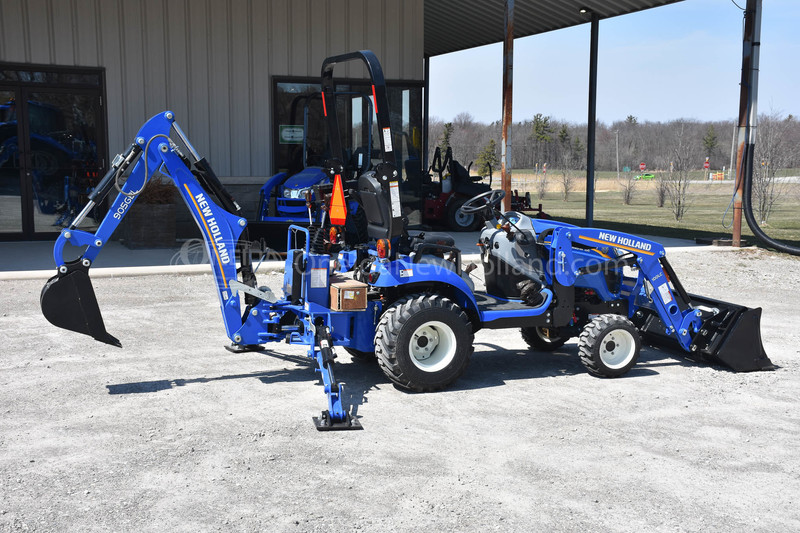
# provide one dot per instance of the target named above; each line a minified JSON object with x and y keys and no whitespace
{"x":616,"y":133}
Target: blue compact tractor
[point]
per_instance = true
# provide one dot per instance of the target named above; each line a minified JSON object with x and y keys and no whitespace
{"x":405,"y":298}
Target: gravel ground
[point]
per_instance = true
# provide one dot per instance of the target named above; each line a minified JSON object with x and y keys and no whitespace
{"x":174,"y":433}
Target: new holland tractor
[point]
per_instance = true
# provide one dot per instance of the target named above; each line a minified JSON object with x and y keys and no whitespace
{"x":406,"y":299}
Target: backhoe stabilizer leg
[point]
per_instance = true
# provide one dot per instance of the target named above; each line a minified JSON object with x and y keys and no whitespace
{"x":336,"y":418}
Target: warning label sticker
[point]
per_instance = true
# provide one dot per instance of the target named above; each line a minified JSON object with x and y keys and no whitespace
{"x":394,"y":190}
{"x":666,"y":296}
{"x":319,"y":277}
{"x":387,"y":140}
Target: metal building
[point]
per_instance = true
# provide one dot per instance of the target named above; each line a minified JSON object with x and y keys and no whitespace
{"x":108,"y":65}
{"x":78,"y":77}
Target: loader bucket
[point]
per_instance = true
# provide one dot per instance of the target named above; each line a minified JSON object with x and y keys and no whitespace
{"x":68,"y":301}
{"x":732,"y":337}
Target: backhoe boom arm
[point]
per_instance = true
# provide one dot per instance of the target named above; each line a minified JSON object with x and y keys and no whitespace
{"x":68,"y":299}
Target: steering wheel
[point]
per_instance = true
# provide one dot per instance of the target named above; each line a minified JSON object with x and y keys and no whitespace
{"x":482,"y":201}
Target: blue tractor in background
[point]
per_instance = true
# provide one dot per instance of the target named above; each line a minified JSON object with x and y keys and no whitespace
{"x":291,"y":196}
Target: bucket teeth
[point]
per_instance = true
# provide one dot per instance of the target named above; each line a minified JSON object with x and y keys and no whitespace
{"x":68,"y":301}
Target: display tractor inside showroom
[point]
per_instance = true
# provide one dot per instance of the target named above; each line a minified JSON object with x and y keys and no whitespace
{"x":406,"y":299}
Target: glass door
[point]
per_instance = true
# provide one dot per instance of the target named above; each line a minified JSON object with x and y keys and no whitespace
{"x":10,"y":177}
{"x":52,"y":148}
{"x":63,"y":164}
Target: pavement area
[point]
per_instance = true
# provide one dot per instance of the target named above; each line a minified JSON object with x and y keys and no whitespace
{"x":174,"y":433}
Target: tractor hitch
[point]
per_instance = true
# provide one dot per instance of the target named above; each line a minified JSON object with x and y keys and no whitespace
{"x":68,"y":301}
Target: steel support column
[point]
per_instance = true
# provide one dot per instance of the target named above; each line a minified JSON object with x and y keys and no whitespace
{"x":508,"y":85}
{"x":592,"y":121}
{"x":425,"y":110}
{"x":748,"y":114}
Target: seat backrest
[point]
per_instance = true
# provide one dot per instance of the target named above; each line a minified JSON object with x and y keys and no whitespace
{"x":379,"y":191}
{"x":373,"y":202}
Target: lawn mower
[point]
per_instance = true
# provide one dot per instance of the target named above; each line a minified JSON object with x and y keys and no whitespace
{"x":406,"y":299}
{"x":443,"y":197}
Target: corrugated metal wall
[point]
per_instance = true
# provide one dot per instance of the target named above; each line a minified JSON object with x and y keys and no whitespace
{"x":209,"y":61}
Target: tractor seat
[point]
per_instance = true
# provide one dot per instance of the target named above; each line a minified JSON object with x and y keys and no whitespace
{"x":431,"y":237}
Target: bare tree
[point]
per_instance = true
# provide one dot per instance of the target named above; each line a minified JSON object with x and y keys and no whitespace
{"x":662,"y":184}
{"x":567,"y":183}
{"x":541,"y":186}
{"x":628,"y":184}
{"x":678,"y":178}
{"x":771,"y":155}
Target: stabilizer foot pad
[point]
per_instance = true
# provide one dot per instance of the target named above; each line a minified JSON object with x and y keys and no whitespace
{"x":324,"y":423}
{"x":244,"y":348}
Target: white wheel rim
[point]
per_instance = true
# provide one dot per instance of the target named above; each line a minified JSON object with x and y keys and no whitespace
{"x":432,"y":346}
{"x":464,"y":220}
{"x":617,"y":348}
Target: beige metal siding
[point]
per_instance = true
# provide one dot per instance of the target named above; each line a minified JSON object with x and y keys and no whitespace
{"x":209,"y":61}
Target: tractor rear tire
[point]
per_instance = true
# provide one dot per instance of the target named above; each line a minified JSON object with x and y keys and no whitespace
{"x":459,"y":221}
{"x":423,"y":342}
{"x":543,"y":339}
{"x":609,"y":346}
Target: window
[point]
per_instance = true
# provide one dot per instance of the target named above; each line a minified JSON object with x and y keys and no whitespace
{"x":300,"y":134}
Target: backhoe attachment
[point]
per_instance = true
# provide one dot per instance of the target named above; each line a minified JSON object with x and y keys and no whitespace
{"x":68,"y":299}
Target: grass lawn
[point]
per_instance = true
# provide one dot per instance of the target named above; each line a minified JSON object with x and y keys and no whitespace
{"x":707,"y":203}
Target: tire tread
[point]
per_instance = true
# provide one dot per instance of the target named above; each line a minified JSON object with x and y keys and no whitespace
{"x":388,"y":329}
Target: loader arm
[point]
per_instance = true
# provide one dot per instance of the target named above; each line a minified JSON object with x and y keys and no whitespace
{"x":68,"y":299}
{"x":707,"y":329}
{"x":653,"y":286}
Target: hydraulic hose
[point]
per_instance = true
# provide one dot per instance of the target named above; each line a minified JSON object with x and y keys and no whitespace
{"x":748,"y":118}
{"x":747,"y":207}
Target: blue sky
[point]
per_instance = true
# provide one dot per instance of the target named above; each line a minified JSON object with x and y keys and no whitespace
{"x":677,"y":61}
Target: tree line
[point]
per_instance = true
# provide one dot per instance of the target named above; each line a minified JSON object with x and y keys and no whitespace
{"x":547,"y":146}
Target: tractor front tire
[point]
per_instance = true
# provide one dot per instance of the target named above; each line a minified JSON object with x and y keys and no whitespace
{"x":423,"y":342}
{"x":543,"y":339}
{"x":609,"y":346}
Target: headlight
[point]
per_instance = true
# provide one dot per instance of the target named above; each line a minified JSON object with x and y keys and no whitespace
{"x":296,"y":193}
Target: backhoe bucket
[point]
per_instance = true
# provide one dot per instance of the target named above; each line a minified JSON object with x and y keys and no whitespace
{"x":731,"y":337}
{"x":68,"y":301}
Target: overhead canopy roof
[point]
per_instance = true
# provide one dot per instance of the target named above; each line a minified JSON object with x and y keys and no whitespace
{"x":456,"y":25}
